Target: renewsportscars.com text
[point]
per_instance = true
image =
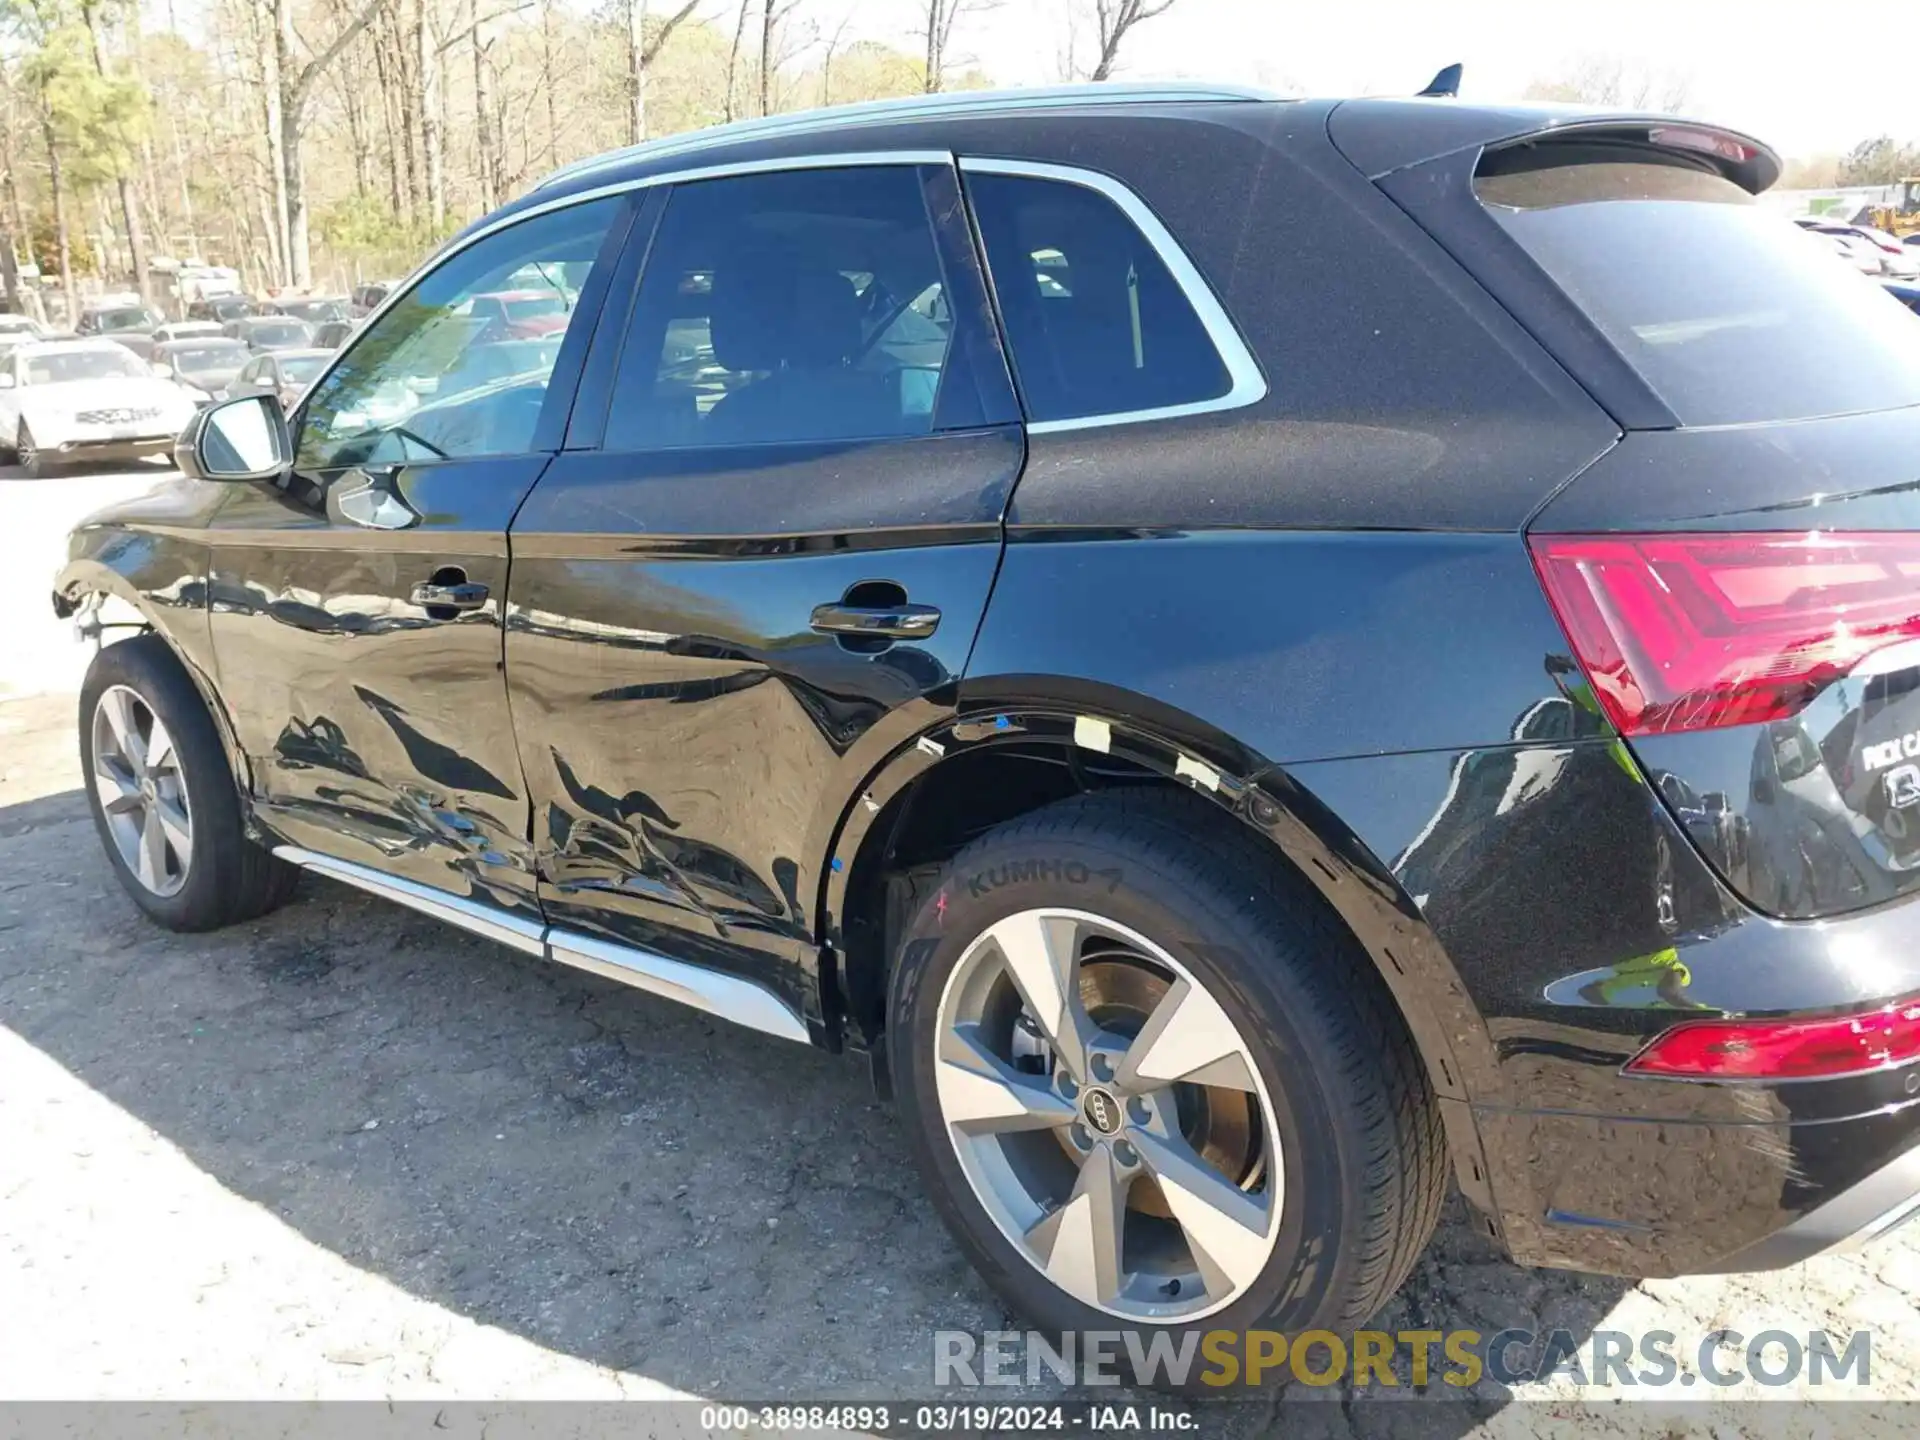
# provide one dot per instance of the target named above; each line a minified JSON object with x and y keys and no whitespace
{"x":1417,"y":1358}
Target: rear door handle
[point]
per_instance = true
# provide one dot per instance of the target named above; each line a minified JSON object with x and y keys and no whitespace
{"x":467,"y":595}
{"x":895,"y":622}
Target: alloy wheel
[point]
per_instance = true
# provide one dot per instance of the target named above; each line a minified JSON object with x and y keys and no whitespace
{"x":142,"y":790}
{"x":1109,"y":1116}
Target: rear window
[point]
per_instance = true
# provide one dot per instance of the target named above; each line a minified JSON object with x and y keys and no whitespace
{"x":1729,"y":312}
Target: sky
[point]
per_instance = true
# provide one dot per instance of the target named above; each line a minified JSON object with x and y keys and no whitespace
{"x":1806,"y":79}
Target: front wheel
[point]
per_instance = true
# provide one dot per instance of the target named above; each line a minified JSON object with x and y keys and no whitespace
{"x":27,"y":454}
{"x":163,"y":796}
{"x":1153,"y":1083}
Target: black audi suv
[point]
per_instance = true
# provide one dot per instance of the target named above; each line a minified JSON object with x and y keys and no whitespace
{"x":1256,"y":657}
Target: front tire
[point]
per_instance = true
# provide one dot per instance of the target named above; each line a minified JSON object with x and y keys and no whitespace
{"x":1153,"y":1084}
{"x":163,"y":796}
{"x":28,"y":455}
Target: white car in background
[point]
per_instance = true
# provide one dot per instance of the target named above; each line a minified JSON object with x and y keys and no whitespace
{"x":1855,"y":250}
{"x":1899,"y":262}
{"x":67,"y":400}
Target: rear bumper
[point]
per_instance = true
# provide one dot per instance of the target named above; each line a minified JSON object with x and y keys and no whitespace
{"x":1877,"y":1205}
{"x":1658,"y":1198}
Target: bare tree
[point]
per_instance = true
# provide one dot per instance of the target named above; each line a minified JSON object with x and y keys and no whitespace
{"x":733,"y":60}
{"x":640,"y":56}
{"x":291,"y":88}
{"x":1611,"y":81}
{"x":1113,"y":20}
{"x":940,"y":17}
{"x":62,"y":245}
{"x":136,"y":239}
{"x":773,"y":14}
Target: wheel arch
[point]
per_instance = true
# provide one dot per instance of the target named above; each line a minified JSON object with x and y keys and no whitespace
{"x":101,"y":598}
{"x":1114,"y":737}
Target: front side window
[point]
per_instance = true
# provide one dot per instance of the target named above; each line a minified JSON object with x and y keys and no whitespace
{"x":1097,"y":324}
{"x":400,"y":393}
{"x":802,"y":305}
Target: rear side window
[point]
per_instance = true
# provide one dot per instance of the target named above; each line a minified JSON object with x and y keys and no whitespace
{"x":1729,"y":312}
{"x":1097,"y":324}
{"x":795,"y":306}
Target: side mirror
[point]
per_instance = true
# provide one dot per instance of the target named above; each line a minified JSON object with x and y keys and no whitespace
{"x":241,"y":439}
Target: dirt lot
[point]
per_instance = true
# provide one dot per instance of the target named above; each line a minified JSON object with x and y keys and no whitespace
{"x":348,"y":1152}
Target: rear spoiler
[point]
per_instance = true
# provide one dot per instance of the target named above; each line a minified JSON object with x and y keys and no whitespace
{"x":1383,"y":135}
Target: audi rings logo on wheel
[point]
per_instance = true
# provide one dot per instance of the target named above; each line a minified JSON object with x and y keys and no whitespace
{"x":1103,"y":1111}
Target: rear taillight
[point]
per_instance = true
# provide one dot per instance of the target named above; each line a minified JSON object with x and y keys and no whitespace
{"x":1785,"y":1049}
{"x":1694,"y":632}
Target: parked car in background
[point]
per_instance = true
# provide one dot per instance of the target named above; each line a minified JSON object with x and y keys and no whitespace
{"x":488,"y":361}
{"x":332,"y":334}
{"x":183,"y":329}
{"x":1875,"y":251}
{"x":1241,"y":748}
{"x":270,"y":332}
{"x":15,"y":325}
{"x":312,"y":309}
{"x":220,"y":308}
{"x":86,"y":399}
{"x":202,"y":365}
{"x":1899,"y":262}
{"x":367,"y":298}
{"x":1906,"y":293}
{"x":1853,"y":250}
{"x":130,"y":325}
{"x":520,"y":314}
{"x":282,"y":373}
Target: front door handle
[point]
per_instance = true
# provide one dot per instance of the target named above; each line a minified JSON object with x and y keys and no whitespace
{"x":466,"y":595}
{"x":904,"y":621}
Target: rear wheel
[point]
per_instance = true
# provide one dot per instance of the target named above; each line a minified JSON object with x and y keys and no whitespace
{"x":163,"y":797}
{"x":1153,"y":1084}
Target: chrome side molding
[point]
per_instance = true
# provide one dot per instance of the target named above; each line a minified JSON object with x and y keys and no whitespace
{"x":523,"y":935}
{"x":728,"y":996}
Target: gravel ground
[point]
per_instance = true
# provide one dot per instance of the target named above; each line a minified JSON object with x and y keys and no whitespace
{"x":347,"y":1152}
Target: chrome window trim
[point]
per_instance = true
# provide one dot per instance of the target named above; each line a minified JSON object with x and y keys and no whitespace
{"x":420,"y":272}
{"x":730,"y":997}
{"x":1246,"y":383}
{"x":905,"y":108}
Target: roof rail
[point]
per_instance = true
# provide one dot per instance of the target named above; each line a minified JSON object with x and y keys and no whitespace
{"x":911,"y":107}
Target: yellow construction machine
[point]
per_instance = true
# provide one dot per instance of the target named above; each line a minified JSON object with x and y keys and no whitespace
{"x":1903,"y":216}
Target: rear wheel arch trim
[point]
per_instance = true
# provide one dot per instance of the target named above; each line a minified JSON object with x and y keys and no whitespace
{"x":1451,"y":1037}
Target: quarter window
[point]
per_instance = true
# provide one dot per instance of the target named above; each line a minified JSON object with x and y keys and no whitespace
{"x":1097,"y":324}
{"x":799,"y":305}
{"x":459,"y":366}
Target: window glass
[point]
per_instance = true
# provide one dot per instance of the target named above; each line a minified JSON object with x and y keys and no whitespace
{"x":57,"y":367}
{"x":802,"y":305}
{"x":1096,"y":323}
{"x":299,"y":369}
{"x":1728,"y":311}
{"x":413,"y":386}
